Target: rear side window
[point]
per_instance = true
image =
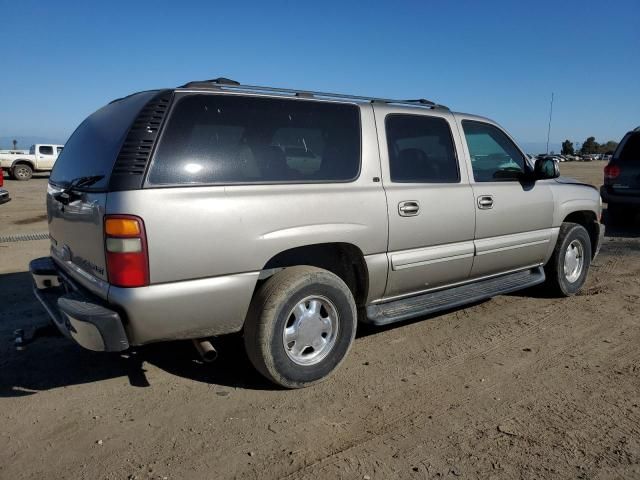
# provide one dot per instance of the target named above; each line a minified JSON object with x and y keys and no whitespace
{"x":629,"y":150}
{"x":494,"y":157}
{"x":222,"y":139}
{"x":421,"y":150}
{"x":45,"y":150}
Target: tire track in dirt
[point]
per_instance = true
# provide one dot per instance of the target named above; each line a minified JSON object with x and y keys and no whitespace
{"x":407,"y":421}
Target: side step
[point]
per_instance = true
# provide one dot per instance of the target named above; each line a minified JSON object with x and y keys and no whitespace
{"x":406,"y":308}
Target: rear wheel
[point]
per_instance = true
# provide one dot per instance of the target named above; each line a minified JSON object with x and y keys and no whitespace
{"x":300,"y":326}
{"x":567,"y":269}
{"x":22,"y":172}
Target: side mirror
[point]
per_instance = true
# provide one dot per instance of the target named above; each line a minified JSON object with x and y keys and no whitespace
{"x":546,"y":168}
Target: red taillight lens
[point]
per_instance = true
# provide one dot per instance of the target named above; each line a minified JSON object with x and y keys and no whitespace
{"x":126,"y":251}
{"x":1,"y":178}
{"x":611,"y":172}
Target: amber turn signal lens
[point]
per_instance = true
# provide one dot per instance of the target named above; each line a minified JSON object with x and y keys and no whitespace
{"x":122,"y":227}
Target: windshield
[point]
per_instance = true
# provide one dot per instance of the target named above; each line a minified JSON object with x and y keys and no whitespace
{"x":92,"y":149}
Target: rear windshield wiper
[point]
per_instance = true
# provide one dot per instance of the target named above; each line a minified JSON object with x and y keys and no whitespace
{"x":70,"y":192}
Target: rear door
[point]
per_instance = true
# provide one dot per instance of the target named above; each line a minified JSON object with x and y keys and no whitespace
{"x":513,"y":217}
{"x":429,"y":200}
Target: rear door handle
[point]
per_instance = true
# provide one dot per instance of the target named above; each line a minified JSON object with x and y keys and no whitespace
{"x":409,"y":208}
{"x":485,"y":202}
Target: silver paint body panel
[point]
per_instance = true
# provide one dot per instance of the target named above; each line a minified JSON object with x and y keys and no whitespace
{"x":207,"y":245}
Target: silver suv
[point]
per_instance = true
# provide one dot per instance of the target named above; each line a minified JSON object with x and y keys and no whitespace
{"x":216,"y":207}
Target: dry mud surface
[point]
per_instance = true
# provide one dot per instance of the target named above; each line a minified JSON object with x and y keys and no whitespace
{"x":521,"y":386}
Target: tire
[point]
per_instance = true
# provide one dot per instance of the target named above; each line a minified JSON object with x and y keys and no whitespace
{"x":320,"y":299}
{"x":22,"y":172}
{"x":558,"y":281}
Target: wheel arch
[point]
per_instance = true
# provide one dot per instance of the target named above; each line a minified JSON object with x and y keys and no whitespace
{"x":19,"y":161}
{"x":343,"y":259}
{"x":589,"y":220}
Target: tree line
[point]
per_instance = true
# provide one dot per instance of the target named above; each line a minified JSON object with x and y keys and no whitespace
{"x":589,"y":146}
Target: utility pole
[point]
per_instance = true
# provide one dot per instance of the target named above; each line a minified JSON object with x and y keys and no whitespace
{"x":549,"y":129}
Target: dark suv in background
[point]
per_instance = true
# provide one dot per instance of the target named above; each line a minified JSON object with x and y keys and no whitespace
{"x":621,"y":189}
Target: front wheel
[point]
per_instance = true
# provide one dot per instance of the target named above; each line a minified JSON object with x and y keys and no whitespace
{"x":300,"y":326}
{"x":567,"y":269}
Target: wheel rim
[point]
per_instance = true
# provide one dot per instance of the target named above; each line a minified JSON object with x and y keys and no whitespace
{"x":573,"y":261}
{"x":21,"y":172}
{"x":311,"y":330}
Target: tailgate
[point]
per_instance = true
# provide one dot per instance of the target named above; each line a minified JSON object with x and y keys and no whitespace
{"x":77,"y":241}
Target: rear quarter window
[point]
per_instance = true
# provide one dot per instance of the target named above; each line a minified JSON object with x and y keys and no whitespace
{"x":228,"y":139}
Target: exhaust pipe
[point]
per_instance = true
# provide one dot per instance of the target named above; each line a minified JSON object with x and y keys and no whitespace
{"x":205,"y":349}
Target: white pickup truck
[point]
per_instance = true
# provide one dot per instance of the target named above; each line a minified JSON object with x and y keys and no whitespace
{"x":40,"y":158}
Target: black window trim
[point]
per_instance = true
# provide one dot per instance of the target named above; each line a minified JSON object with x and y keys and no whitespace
{"x":180,"y":95}
{"x":453,"y":144}
{"x":525,"y":158}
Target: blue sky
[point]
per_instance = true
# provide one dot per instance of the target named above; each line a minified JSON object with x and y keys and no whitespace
{"x":61,"y":60}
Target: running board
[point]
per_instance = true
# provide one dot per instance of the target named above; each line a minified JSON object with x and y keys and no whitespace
{"x":406,"y":308}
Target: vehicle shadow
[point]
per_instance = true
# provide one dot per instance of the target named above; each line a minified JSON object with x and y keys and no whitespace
{"x":53,"y":361}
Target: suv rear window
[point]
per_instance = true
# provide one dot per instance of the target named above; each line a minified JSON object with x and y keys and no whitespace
{"x":629,"y":150}
{"x":223,"y":139}
{"x":93,"y":147}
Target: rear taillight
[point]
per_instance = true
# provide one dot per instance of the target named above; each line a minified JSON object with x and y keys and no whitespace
{"x":125,"y":245}
{"x":611,"y":172}
{"x":1,"y":178}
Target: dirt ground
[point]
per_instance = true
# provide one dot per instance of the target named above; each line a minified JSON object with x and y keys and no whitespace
{"x":521,"y":386}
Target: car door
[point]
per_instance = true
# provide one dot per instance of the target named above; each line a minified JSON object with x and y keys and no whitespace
{"x":513,"y":216}
{"x":45,"y":157}
{"x":429,"y":200}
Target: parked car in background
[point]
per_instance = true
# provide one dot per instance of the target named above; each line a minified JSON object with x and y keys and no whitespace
{"x":289,"y":216}
{"x":621,"y":189}
{"x":21,"y":166}
{"x":4,"y":195}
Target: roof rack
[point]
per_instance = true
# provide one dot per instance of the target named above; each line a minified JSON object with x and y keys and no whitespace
{"x":228,"y":84}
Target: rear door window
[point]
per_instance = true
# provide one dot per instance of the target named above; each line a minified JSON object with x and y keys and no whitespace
{"x":227,"y":139}
{"x":45,"y":150}
{"x":421,"y":150}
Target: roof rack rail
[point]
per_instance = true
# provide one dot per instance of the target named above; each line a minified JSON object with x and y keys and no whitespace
{"x":232,"y":85}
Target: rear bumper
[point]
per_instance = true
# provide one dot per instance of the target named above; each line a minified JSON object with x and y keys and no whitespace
{"x":135,"y":316}
{"x":612,"y":198}
{"x":4,"y":196}
{"x":77,"y":313}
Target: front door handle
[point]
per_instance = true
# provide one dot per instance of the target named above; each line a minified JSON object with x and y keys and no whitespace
{"x":485,"y":202}
{"x":409,"y":208}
